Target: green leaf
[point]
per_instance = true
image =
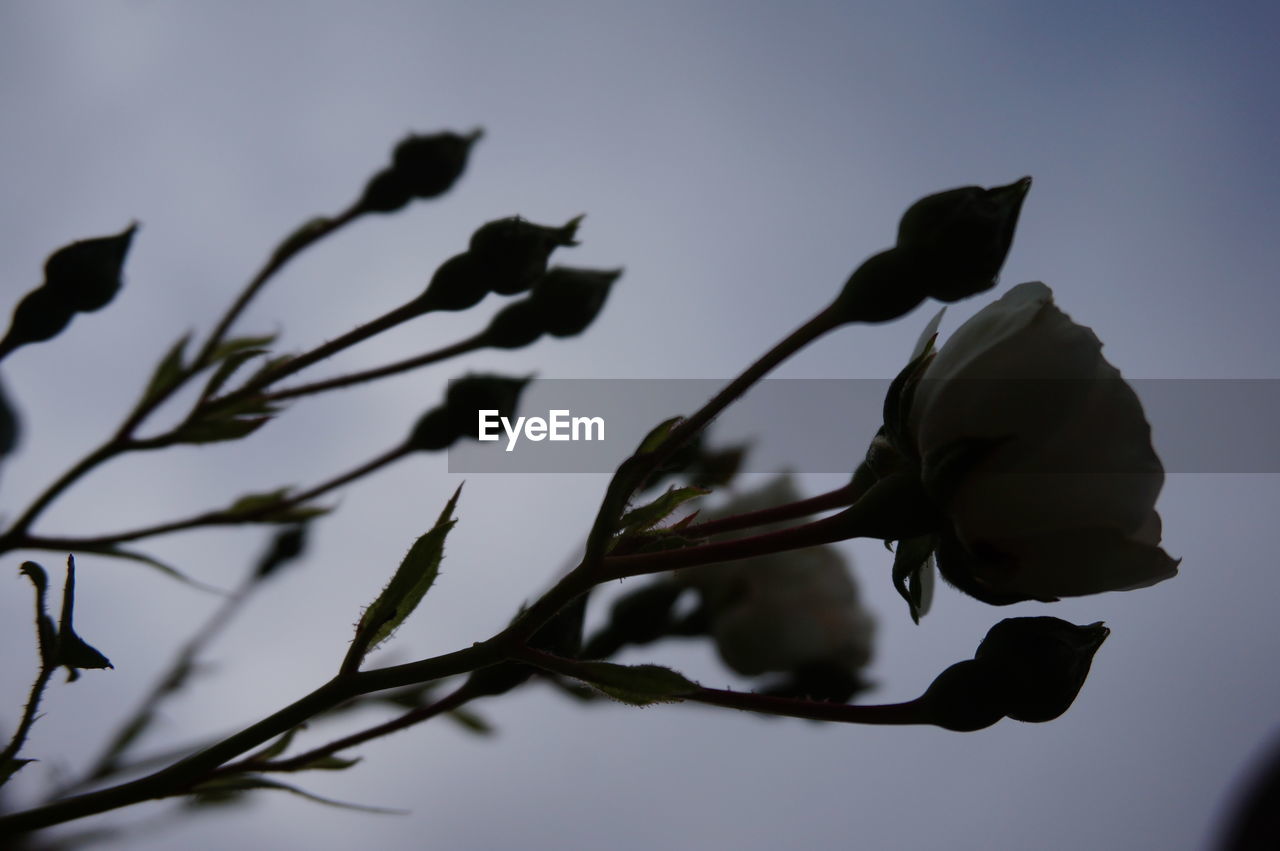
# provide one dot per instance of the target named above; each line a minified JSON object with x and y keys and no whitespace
{"x":222,"y":786}
{"x":912,"y":558}
{"x":259,"y":506}
{"x":277,"y":747}
{"x":73,"y":651}
{"x":10,"y":767}
{"x":638,"y":685}
{"x":407,"y":587}
{"x":655,"y":438}
{"x":330,"y":763}
{"x":472,"y":722}
{"x":226,"y":369}
{"x":238,"y":345}
{"x":168,"y":373}
{"x":217,"y":430}
{"x":647,"y":516}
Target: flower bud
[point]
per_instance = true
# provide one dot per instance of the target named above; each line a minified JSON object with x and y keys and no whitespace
{"x":515,"y":326}
{"x":568,"y":300}
{"x":457,"y":285}
{"x":513,"y":252}
{"x":41,"y":315}
{"x":432,"y":432}
{"x":88,"y":272}
{"x":1029,"y":669}
{"x":957,"y":240}
{"x":1043,"y":663}
{"x":385,"y":192}
{"x":469,"y":395}
{"x":950,"y":245}
{"x":429,"y":165}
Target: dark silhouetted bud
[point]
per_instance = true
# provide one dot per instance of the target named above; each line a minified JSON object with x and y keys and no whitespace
{"x":287,"y":545}
{"x":81,"y":277}
{"x":569,"y":299}
{"x":385,"y":192}
{"x":473,"y":393}
{"x":432,"y":432}
{"x":1043,"y":663}
{"x":88,"y":272}
{"x":514,"y":326}
{"x":951,"y":245}
{"x":9,"y":428}
{"x":1030,"y":669}
{"x":513,"y":252}
{"x":41,"y":315}
{"x":965,"y":697}
{"x":429,"y":165}
{"x":457,"y":285}
{"x":957,"y":240}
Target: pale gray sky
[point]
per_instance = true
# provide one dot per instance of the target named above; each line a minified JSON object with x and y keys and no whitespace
{"x":739,"y":159}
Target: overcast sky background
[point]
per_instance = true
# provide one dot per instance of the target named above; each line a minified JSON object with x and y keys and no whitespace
{"x":739,"y":159}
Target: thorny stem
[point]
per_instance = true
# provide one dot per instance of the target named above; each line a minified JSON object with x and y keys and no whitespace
{"x":122,"y":441}
{"x":839,"y":498}
{"x":182,"y":776}
{"x":220,"y":517}
{"x":462,"y":347}
{"x":107,"y":762}
{"x":303,"y":237}
{"x":448,"y":703}
{"x":386,"y":322}
{"x":28,"y":713}
{"x":911,"y":712}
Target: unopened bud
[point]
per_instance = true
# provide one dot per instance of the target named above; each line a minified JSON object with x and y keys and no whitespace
{"x":515,"y":326}
{"x":457,"y":285}
{"x":88,"y":272}
{"x":513,"y":252}
{"x":471,"y":394}
{"x":951,"y":245}
{"x":1043,"y":662}
{"x":432,"y":432}
{"x":958,"y":240}
{"x":385,"y":192}
{"x":429,"y":165}
{"x":569,"y":299}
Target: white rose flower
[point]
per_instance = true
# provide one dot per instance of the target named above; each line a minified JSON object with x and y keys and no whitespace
{"x":785,"y":612}
{"x":1040,"y":456}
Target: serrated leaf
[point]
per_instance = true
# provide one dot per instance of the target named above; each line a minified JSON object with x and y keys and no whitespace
{"x":647,"y":516}
{"x":168,"y":371}
{"x":655,"y":437}
{"x":223,"y":786}
{"x":12,"y":766}
{"x":638,"y":685}
{"x":417,"y":571}
{"x":910,"y":559}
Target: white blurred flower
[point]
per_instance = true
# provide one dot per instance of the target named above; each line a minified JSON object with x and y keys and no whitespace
{"x":1040,"y":456}
{"x":783,"y":613}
